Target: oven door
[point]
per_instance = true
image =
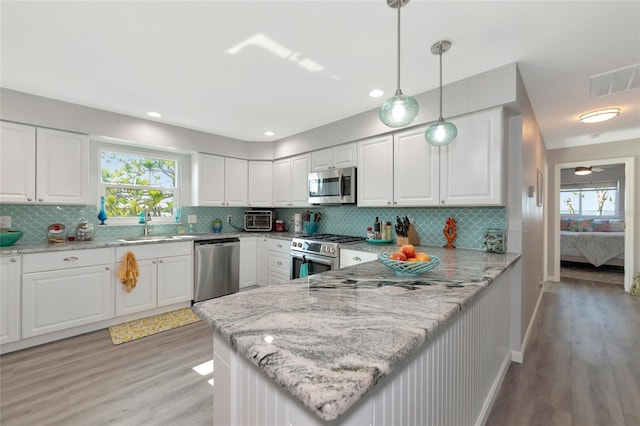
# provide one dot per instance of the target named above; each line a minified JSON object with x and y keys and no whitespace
{"x":315,"y":264}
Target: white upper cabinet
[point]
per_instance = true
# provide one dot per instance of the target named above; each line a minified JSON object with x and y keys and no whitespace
{"x":17,"y":163}
{"x":416,"y":173}
{"x":260,"y":184}
{"x":375,"y":171}
{"x":219,"y":181}
{"x":334,"y":158}
{"x":405,"y":170}
{"x":291,"y":181}
{"x":43,"y":165}
{"x":208,"y":180}
{"x":235,"y":182}
{"x":471,"y":168}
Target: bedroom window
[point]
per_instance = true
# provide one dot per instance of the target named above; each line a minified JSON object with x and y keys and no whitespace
{"x":589,"y":199}
{"x":133,"y":181}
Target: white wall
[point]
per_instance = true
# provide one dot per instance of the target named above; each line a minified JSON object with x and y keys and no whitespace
{"x":45,"y":112}
{"x":613,"y":150}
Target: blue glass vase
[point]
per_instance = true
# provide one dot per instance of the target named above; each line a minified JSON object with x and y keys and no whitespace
{"x":102,"y":214}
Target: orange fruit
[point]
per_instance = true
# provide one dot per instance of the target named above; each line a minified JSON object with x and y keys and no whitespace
{"x":422,"y":257}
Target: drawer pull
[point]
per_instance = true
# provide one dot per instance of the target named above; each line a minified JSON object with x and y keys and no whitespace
{"x":106,"y":268}
{"x":160,"y":261}
{"x":279,"y":245}
{"x":71,"y":259}
{"x":279,"y":263}
{"x":14,"y":260}
{"x":357,"y":259}
{"x":153,"y":262}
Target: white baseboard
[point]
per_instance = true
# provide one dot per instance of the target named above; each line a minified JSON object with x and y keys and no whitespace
{"x":493,"y":392}
{"x":518,"y":356}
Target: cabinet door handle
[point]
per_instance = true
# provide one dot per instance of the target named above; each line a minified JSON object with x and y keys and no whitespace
{"x":395,"y":202}
{"x":40,"y":199}
{"x":357,"y":259}
{"x":160,"y":261}
{"x":279,"y":245}
{"x":106,"y":268}
{"x":153,"y":262}
{"x":388,"y":202}
{"x":442,"y":202}
{"x":71,"y":259}
{"x":29,"y":199}
{"x":13,"y":259}
{"x":279,"y":263}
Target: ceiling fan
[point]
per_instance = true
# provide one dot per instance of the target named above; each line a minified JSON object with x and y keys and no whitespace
{"x":586,"y":170}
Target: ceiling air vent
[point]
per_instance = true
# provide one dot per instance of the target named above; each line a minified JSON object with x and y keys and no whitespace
{"x":620,"y":80}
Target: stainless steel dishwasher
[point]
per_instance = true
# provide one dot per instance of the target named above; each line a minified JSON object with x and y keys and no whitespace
{"x":216,"y":267}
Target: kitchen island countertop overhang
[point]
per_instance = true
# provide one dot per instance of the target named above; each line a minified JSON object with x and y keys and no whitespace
{"x":329,"y":338}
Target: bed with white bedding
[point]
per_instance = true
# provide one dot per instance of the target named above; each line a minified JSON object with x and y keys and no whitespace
{"x":597,"y":248}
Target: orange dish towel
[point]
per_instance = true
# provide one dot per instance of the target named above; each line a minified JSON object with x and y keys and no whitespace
{"x":129,"y":271}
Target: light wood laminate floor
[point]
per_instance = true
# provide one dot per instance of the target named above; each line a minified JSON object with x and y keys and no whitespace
{"x":86,"y":380}
{"x":582,"y":365}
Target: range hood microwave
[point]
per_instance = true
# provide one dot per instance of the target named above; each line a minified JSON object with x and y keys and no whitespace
{"x":335,"y":186}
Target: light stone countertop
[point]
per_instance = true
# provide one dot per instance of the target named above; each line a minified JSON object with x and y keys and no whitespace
{"x":336,"y":334}
{"x":102,"y":243}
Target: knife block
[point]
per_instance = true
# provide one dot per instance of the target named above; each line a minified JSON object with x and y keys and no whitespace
{"x":411,"y":238}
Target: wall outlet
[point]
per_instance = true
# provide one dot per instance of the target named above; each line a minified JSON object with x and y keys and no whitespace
{"x":5,"y":222}
{"x":229,"y":218}
{"x":192,"y":218}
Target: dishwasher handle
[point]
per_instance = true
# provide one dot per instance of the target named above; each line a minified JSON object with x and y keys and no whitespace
{"x":216,"y":241}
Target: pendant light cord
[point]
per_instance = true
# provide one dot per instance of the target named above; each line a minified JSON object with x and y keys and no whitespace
{"x":398,"y":91}
{"x":440,"y":54}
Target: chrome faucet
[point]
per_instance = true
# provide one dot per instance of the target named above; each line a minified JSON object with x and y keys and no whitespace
{"x":147,"y":219}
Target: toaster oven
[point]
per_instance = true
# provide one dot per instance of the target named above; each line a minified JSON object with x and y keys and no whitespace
{"x":258,"y":220}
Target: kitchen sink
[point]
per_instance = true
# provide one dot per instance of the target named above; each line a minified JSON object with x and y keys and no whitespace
{"x":149,"y":238}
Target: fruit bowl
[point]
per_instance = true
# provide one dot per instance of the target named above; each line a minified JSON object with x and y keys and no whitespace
{"x":404,"y":267}
{"x":8,"y":237}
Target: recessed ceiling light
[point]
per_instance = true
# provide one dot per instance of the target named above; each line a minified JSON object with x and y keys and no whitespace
{"x":154,"y":114}
{"x":376,"y":93}
{"x":269,"y":133}
{"x":600,"y":115}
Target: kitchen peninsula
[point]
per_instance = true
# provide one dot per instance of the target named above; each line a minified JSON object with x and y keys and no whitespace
{"x":364,"y":346}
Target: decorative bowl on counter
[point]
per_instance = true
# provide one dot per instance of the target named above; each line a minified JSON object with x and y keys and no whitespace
{"x":404,"y":267}
{"x":8,"y":238}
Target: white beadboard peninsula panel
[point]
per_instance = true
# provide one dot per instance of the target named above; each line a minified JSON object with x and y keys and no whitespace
{"x":453,"y":380}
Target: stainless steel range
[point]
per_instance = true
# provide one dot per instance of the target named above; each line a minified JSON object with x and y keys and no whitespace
{"x":320,"y":252}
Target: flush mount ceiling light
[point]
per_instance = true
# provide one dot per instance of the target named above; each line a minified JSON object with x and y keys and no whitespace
{"x":441,"y":132}
{"x":269,"y":133}
{"x":583,"y":171}
{"x":154,"y":114}
{"x":399,"y":110}
{"x":600,"y":115}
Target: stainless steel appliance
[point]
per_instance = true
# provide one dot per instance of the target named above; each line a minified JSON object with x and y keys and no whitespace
{"x":335,"y":186}
{"x":216,"y":268}
{"x":258,"y":220}
{"x":321,"y":252}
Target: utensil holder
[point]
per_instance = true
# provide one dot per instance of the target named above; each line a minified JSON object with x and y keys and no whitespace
{"x":311,"y":227}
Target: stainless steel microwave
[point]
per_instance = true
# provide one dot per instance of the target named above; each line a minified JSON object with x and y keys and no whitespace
{"x":335,"y":186}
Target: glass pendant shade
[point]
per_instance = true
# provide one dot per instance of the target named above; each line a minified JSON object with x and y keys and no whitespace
{"x":399,"y":110}
{"x":441,"y":133}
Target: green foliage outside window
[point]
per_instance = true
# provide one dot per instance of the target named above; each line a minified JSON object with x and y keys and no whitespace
{"x":136,"y":183}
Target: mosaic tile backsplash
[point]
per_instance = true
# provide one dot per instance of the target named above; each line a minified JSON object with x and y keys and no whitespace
{"x":347,"y":220}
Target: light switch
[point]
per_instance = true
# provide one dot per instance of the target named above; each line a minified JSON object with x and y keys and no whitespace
{"x":192,"y":218}
{"x":5,"y":222}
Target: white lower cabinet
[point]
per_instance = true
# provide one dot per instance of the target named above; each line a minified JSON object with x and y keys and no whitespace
{"x":262,"y":252}
{"x":166,"y":277}
{"x":10,"y":298}
{"x":66,"y":289}
{"x":278,"y":261}
{"x":248,"y":264}
{"x":355,"y":257}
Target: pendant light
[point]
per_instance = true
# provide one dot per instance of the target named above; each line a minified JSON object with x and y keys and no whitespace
{"x":399,"y":110}
{"x":441,"y":132}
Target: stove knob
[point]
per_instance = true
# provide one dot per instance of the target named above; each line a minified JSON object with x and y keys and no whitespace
{"x":323,"y":248}
{"x":299,"y":244}
{"x":333,"y":249}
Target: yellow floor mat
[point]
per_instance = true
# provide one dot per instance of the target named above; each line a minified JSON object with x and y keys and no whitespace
{"x":136,"y":329}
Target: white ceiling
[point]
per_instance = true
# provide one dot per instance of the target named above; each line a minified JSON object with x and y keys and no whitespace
{"x":171,"y":57}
